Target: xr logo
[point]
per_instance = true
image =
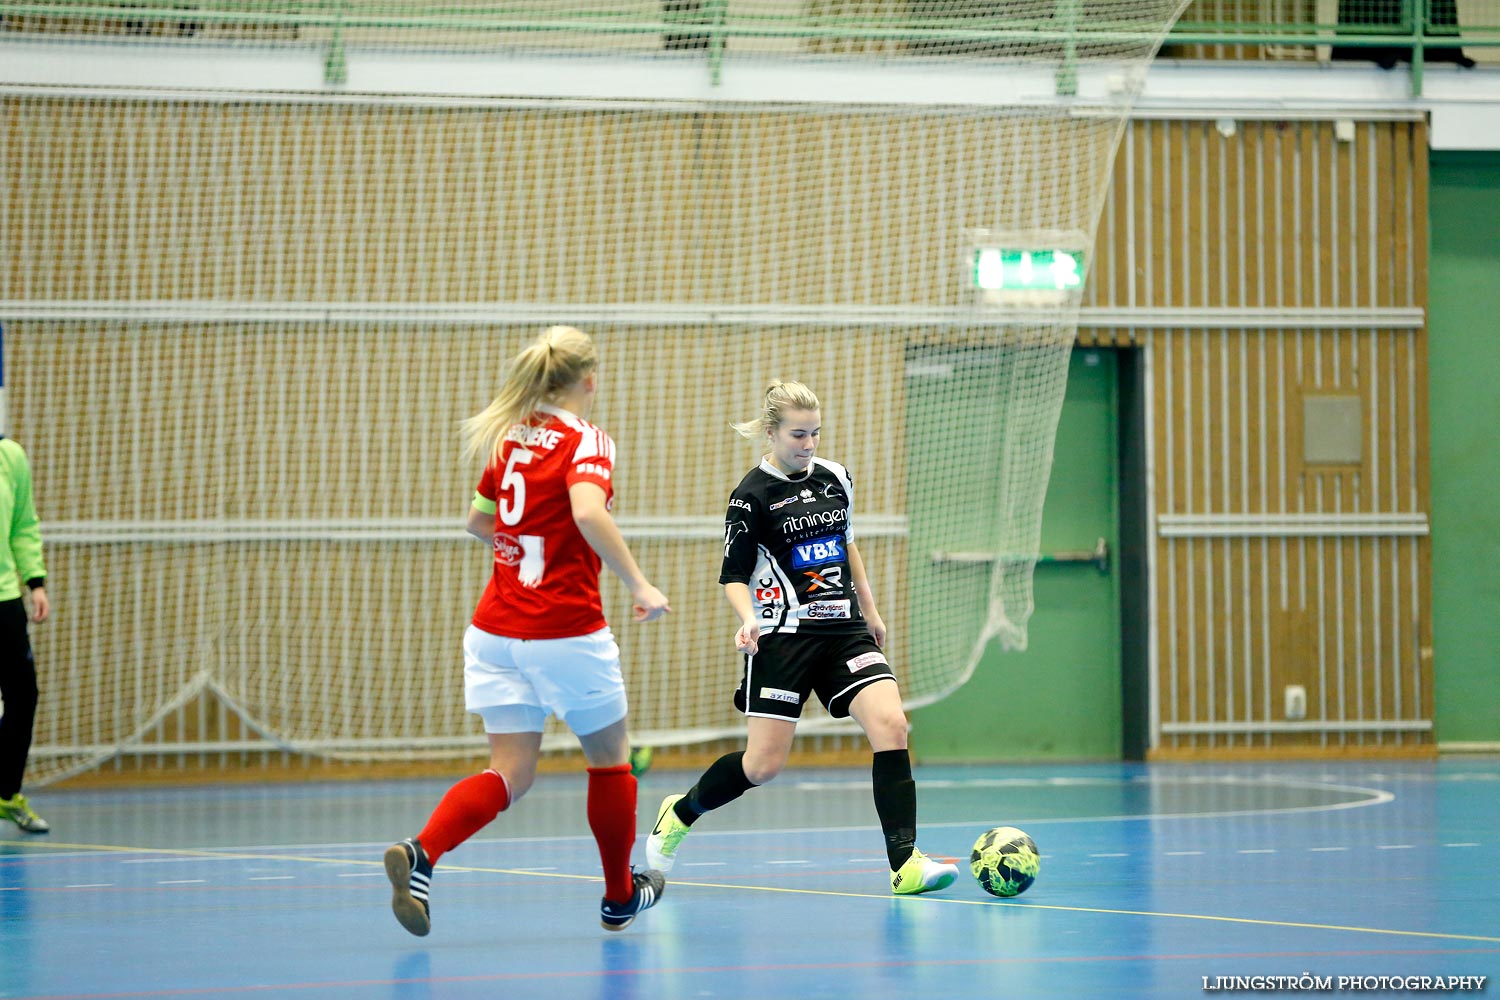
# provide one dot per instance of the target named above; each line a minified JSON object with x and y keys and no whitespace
{"x":830,"y":579}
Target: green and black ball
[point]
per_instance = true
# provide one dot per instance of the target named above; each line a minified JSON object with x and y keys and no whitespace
{"x":1004,"y":861}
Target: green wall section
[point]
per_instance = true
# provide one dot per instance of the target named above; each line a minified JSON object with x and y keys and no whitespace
{"x":1464,"y":364}
{"x":1060,"y":699}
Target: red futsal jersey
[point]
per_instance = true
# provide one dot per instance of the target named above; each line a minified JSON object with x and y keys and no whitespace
{"x":545,"y":583}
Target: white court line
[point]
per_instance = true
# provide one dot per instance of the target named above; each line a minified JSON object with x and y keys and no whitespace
{"x":1374,"y":796}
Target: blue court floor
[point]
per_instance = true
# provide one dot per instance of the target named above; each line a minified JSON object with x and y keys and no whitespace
{"x":1155,"y":879}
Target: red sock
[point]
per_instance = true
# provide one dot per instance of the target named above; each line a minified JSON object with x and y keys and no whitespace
{"x":465,"y":810}
{"x":612,"y":818}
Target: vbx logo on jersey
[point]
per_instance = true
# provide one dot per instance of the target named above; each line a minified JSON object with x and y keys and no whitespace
{"x":768,"y":595}
{"x":818,"y":551}
{"x":508,"y":549}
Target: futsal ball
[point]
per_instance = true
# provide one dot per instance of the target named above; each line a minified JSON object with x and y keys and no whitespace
{"x":1004,"y":861}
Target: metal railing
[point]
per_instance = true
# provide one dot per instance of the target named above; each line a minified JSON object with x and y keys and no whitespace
{"x":1384,"y":31}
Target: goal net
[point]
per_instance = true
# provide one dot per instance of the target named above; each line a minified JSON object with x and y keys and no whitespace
{"x":243,"y":323}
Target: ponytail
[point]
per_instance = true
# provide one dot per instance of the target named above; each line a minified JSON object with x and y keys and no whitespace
{"x":554,"y":361}
{"x":779,"y":398}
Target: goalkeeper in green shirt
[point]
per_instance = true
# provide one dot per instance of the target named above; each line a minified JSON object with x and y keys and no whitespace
{"x":20,"y":560}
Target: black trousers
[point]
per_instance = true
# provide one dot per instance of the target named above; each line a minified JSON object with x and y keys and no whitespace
{"x":19,"y":692}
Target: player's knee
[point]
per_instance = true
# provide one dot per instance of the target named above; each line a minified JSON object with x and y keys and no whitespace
{"x":758,"y":771}
{"x":888,"y":730}
{"x":518,"y":778}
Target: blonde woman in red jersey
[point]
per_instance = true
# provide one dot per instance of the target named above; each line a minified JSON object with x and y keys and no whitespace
{"x":539,"y":644}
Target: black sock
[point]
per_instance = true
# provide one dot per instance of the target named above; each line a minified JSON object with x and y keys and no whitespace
{"x":896,"y":803}
{"x":722,"y":783}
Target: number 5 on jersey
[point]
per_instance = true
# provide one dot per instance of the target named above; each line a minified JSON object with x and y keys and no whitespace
{"x":514,"y":484}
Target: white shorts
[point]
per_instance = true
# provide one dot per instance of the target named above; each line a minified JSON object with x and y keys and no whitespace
{"x":513,"y":684}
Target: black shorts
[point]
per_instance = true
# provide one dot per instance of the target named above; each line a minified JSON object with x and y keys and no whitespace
{"x":789,"y":666}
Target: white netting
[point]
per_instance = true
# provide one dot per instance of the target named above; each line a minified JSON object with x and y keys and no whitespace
{"x":241,"y":334}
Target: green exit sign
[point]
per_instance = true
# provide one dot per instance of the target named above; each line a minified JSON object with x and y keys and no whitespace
{"x":1000,"y":270}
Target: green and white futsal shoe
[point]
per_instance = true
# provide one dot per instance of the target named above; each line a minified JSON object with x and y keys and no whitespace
{"x":661,"y":846}
{"x":19,"y":811}
{"x":922,"y":874}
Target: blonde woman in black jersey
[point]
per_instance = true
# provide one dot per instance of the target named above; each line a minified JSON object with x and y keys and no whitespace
{"x":808,"y":624}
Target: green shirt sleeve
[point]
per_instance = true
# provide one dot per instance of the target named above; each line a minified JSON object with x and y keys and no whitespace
{"x":22,"y":556}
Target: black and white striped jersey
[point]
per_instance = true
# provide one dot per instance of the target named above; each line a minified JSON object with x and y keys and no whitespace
{"x":787,"y":539}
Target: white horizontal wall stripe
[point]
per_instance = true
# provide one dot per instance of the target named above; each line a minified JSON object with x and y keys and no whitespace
{"x":382,"y":530}
{"x":664,"y":313}
{"x":1289,"y":525}
{"x":1304,"y":726}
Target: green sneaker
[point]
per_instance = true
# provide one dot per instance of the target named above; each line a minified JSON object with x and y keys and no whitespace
{"x":661,"y":846}
{"x":19,"y":811}
{"x":922,"y":874}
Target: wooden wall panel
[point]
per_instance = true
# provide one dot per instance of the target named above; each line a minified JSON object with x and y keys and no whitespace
{"x":1271,"y":571}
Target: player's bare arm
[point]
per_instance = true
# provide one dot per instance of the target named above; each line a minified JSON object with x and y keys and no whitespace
{"x":481,"y":525}
{"x":866,"y":595}
{"x":747,"y":638}
{"x":603,"y":535}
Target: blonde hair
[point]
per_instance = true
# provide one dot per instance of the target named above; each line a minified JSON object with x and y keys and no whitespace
{"x":556,"y":360}
{"x":780,"y":397}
